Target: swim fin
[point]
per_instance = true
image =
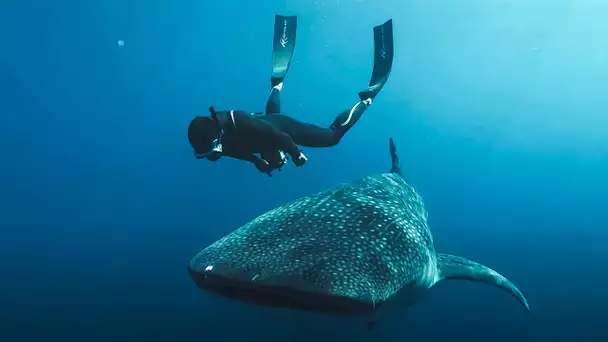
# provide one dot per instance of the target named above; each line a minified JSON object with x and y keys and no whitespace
{"x":283,"y":46}
{"x":383,"y":59}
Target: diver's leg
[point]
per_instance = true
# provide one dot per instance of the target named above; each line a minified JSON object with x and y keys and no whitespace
{"x":273,"y":106}
{"x":303,"y":134}
{"x":309,"y":135}
{"x":314,"y":136}
{"x":348,"y":118}
{"x":282,"y":50}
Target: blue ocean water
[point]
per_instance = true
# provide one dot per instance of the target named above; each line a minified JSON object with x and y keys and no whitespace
{"x":498,"y":107}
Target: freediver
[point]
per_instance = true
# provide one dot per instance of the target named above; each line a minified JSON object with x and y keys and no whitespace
{"x":243,"y":135}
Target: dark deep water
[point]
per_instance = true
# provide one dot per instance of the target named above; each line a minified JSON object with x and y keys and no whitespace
{"x":498,"y":107}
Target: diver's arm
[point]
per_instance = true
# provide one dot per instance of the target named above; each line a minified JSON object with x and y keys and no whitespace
{"x":260,"y":164}
{"x":241,"y":156}
{"x":284,"y":142}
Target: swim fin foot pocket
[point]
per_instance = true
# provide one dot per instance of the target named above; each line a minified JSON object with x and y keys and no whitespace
{"x":383,"y":60}
{"x":283,"y":45}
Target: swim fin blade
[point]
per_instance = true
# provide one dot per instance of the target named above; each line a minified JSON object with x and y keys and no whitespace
{"x":283,"y":45}
{"x":383,"y":59}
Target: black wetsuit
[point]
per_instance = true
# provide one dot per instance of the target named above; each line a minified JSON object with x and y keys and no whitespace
{"x":270,"y":134}
{"x":246,"y":134}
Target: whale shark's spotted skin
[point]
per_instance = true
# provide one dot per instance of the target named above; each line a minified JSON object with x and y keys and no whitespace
{"x":345,"y":250}
{"x":359,"y":240}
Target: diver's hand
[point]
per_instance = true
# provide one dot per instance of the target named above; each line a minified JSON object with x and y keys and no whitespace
{"x":301,"y":160}
{"x":263,"y":166}
{"x":213,"y":156}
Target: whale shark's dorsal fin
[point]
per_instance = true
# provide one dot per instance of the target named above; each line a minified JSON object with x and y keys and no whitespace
{"x":454,"y":267}
{"x":395,"y":166}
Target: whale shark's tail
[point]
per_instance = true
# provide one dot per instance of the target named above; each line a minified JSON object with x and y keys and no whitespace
{"x":453,"y":267}
{"x":395,"y":167}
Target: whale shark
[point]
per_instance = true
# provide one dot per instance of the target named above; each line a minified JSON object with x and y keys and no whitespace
{"x":348,"y":250}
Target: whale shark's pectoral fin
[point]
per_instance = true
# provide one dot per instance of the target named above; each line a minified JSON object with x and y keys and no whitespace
{"x":454,"y":267}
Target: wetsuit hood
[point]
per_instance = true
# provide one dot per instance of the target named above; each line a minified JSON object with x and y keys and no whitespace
{"x":201,"y":133}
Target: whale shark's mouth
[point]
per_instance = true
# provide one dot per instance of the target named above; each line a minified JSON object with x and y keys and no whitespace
{"x":278,"y":296}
